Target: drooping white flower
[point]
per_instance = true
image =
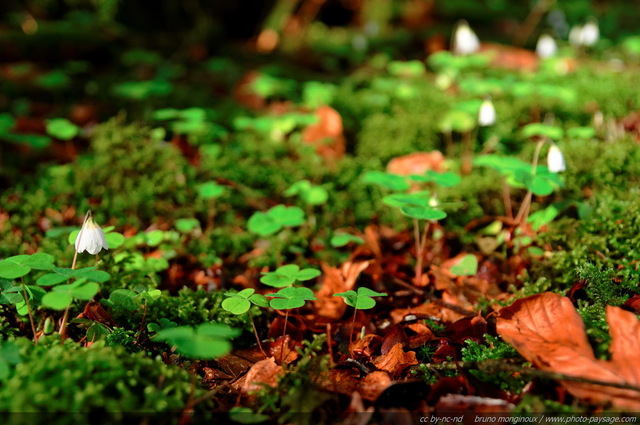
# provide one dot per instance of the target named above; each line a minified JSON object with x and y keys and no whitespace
{"x":91,"y":238}
{"x":575,"y":36}
{"x":590,"y":32}
{"x":546,"y":46}
{"x":487,"y":114}
{"x":555,"y":160}
{"x":465,"y":40}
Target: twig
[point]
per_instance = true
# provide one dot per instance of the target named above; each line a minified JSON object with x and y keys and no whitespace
{"x":460,"y":310}
{"x":495,"y":365}
{"x":530,"y":23}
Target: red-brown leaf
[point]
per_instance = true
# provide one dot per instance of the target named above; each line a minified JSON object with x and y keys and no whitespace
{"x":547,"y":330}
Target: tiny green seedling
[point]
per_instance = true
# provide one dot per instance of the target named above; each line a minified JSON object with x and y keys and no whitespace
{"x":207,"y":341}
{"x":62,"y":128}
{"x":286,"y":299}
{"x":240,"y":303}
{"x":287,"y":275}
{"x":210,"y":191}
{"x":361,"y":300}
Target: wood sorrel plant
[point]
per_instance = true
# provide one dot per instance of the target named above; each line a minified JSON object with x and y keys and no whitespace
{"x":361,"y":300}
{"x":287,"y":299}
{"x":240,"y":303}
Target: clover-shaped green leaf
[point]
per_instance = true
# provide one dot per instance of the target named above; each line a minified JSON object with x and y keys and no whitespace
{"x":341,"y":239}
{"x":62,"y":128}
{"x":467,"y":266}
{"x":414,"y":199}
{"x":423,"y":213}
{"x":310,"y":194}
{"x":207,"y":341}
{"x":542,"y":130}
{"x":20,"y":265}
{"x":446,"y":179}
{"x":240,"y":302}
{"x":287,"y":275}
{"x":288,"y":298}
{"x":60,"y":274}
{"x":386,"y":180}
{"x":272,"y":221}
{"x":210,"y":190}
{"x":163,"y":323}
{"x":360,"y":300}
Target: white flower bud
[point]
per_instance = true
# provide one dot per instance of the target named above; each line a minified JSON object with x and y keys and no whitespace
{"x":487,"y":114}
{"x":546,"y":46}
{"x":575,"y":36}
{"x":465,"y":40}
{"x":555,"y":160}
{"x":91,"y":238}
{"x":590,"y":32}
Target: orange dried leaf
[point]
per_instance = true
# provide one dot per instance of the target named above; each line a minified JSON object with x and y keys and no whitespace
{"x":265,"y":372}
{"x":374,"y":384}
{"x":416,"y":163}
{"x":396,"y":360}
{"x":547,"y":330}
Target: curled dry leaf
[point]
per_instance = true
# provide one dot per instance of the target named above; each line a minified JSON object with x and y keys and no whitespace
{"x":374,"y":384}
{"x":396,"y":360}
{"x":547,"y":330}
{"x":265,"y":372}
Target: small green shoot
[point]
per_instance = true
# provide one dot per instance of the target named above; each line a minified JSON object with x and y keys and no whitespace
{"x":62,"y":128}
{"x":361,"y":300}
{"x":310,"y":194}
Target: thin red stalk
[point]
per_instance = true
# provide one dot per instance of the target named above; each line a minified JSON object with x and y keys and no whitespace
{"x":284,"y":333}
{"x":255,"y":331}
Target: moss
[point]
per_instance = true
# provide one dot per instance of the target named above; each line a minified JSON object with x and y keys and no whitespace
{"x":55,"y":377}
{"x":494,"y":349}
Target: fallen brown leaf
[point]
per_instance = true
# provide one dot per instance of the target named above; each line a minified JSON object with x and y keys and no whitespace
{"x":265,"y":372}
{"x":416,"y":163}
{"x":547,"y":330}
{"x":337,"y":280}
{"x":374,"y":384}
{"x":396,"y":360}
{"x":326,"y":135}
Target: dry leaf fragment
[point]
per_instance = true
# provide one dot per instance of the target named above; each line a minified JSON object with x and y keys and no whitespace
{"x":265,"y":372}
{"x":547,"y":330}
{"x":374,"y":384}
{"x":416,"y":163}
{"x":396,"y":360}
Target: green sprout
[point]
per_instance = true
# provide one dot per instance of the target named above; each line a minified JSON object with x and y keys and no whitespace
{"x":240,"y":303}
{"x":210,"y":191}
{"x":361,"y":300}
{"x":287,"y":275}
{"x":207,"y":341}
{"x":286,"y":299}
{"x":62,"y":128}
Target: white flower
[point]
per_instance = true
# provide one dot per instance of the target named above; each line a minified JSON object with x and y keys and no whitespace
{"x":575,"y":36}
{"x":555,"y":160}
{"x":590,"y":32}
{"x":487,"y":114}
{"x":465,"y":40}
{"x":546,"y":46}
{"x":91,"y":238}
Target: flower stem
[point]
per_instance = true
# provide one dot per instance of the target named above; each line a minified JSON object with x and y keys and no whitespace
{"x":353,"y":325}
{"x":523,"y":212}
